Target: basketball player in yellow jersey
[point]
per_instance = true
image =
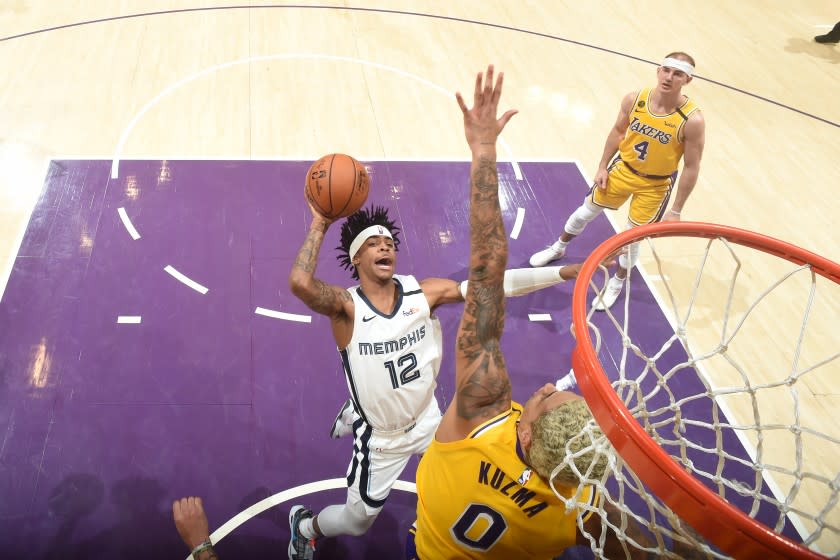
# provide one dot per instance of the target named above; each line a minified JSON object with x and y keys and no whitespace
{"x":482,"y":485}
{"x":654,"y":130}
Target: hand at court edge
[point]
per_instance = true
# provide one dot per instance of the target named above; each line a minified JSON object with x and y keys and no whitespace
{"x":191,"y":521}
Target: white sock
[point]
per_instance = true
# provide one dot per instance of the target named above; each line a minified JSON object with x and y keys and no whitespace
{"x":567,"y":382}
{"x":307,"y":528}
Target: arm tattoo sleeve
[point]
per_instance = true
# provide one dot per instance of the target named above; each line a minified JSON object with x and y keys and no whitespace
{"x":307,"y":257}
{"x":484,"y":386}
{"x":316,"y":294}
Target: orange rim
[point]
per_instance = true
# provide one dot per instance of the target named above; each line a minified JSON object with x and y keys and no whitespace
{"x":727,"y":527}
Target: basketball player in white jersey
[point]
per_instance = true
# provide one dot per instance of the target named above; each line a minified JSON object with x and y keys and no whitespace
{"x":390,"y":346}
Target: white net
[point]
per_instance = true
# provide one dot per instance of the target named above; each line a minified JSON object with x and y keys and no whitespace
{"x":727,"y":357}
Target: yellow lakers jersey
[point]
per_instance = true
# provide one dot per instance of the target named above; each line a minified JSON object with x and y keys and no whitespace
{"x":477,"y":499}
{"x":652,"y":145}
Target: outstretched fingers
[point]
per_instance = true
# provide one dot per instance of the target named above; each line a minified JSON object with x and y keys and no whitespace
{"x":460,"y":99}
{"x":478,"y":89}
{"x":481,"y":123}
{"x":505,"y":118}
{"x":488,"y":93}
{"x":497,"y":91}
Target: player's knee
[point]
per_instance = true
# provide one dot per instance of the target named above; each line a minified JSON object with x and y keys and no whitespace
{"x":587,"y":212}
{"x":359,"y":519}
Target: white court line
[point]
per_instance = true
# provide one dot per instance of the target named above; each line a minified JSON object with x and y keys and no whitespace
{"x":181,"y":278}
{"x":284,"y":316}
{"x":285,"y":496}
{"x":115,"y":163}
{"x":129,"y":319}
{"x":132,"y":231}
{"x":539,"y":316}
{"x":517,"y":225}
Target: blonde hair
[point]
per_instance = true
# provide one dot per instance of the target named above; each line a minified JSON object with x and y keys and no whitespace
{"x":560,"y":436}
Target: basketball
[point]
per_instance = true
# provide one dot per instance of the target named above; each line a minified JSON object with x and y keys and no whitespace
{"x":337,"y":185}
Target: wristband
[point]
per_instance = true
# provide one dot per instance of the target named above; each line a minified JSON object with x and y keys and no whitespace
{"x":201,"y":548}
{"x":675,"y":212}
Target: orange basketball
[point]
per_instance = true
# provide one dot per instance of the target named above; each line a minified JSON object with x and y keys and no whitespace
{"x":337,"y":185}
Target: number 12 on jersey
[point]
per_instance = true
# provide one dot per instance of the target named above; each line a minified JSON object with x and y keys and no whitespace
{"x":408,"y":370}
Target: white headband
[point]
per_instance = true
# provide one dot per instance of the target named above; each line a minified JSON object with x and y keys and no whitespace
{"x":679,"y":65}
{"x":365,"y":235}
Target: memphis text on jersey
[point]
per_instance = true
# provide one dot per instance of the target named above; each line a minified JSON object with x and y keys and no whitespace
{"x":497,"y":480}
{"x":646,"y":130}
{"x":392,"y":346}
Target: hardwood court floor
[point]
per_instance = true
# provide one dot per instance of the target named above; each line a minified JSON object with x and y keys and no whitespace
{"x":209,"y":81}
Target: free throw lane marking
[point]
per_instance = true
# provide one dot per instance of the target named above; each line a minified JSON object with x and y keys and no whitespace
{"x":132,"y":231}
{"x":281,"y":315}
{"x":185,"y":280}
{"x":517,"y":225}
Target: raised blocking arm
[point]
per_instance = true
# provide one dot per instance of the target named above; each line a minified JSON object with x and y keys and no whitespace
{"x":481,"y":379}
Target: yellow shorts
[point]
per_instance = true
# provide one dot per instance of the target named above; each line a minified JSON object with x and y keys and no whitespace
{"x":649,"y":196}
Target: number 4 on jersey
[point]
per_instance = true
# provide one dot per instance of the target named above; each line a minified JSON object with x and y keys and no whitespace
{"x":641,"y":149}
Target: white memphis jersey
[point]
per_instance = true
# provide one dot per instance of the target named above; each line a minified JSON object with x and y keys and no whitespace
{"x":392,"y":361}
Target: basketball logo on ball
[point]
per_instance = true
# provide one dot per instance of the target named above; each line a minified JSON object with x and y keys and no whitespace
{"x":337,"y":185}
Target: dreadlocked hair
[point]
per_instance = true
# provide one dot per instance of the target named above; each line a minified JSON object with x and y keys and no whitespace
{"x":358,"y":222}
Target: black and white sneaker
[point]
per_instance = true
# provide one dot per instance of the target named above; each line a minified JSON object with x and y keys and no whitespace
{"x":300,"y":548}
{"x":343,"y":424}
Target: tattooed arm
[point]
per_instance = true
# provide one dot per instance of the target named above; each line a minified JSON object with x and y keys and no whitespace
{"x":482,"y":387}
{"x":333,"y":301}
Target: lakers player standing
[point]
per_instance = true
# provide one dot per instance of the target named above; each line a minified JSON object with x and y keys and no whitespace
{"x":654,"y":130}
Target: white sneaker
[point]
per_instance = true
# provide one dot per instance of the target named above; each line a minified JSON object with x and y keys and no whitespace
{"x":551,"y":253}
{"x":607,"y":298}
{"x":343,"y":424}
